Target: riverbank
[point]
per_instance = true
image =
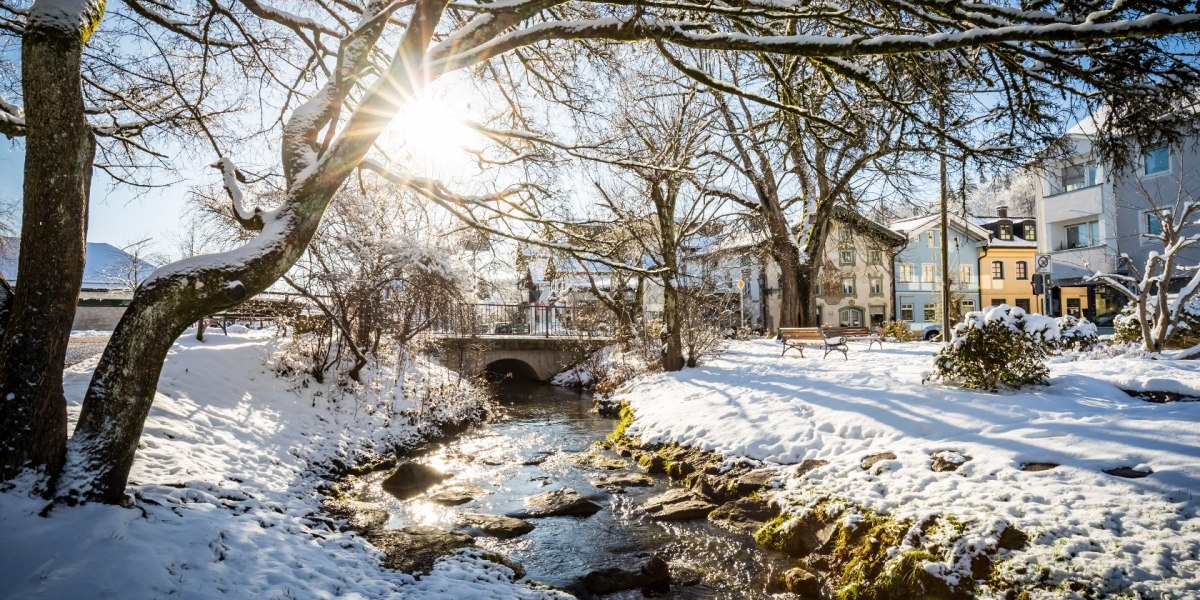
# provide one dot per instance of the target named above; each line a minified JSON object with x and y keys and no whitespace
{"x":226,"y":500}
{"x":860,"y":450}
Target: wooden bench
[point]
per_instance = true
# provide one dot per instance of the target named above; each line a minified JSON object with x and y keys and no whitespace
{"x":831,"y":339}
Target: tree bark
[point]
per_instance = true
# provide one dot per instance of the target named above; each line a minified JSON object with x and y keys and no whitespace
{"x":59,"y":149}
{"x":118,"y":399}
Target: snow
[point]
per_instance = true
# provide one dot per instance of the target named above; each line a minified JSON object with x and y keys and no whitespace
{"x":106,"y":267}
{"x":225,"y":480}
{"x":1113,"y":534}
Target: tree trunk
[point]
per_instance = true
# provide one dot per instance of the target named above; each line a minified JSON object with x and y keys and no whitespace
{"x":59,"y":148}
{"x":673,"y":346}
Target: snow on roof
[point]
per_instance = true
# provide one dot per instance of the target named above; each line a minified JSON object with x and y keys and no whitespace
{"x":1015,"y":242}
{"x":105,"y":266}
{"x":920,"y":224}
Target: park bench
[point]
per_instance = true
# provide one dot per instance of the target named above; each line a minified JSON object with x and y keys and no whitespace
{"x":831,"y":339}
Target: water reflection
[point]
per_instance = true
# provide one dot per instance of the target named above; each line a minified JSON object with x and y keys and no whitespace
{"x":527,"y":450}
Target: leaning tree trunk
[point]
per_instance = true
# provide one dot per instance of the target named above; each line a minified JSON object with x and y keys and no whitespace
{"x":118,"y":400}
{"x":59,"y":148}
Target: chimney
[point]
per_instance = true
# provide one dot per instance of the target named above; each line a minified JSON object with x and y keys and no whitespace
{"x":1002,"y":212}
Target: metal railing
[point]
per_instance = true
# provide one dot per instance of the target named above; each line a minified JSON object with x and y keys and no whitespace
{"x":524,"y":320}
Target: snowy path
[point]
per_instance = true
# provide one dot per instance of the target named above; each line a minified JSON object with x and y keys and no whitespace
{"x":1118,"y":534}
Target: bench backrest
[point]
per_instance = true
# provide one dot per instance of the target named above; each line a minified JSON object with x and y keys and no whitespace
{"x":799,"y":333}
{"x":815,"y":333}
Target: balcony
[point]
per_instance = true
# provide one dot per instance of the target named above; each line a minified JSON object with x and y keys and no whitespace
{"x":1074,"y":205}
{"x":1076,"y":262}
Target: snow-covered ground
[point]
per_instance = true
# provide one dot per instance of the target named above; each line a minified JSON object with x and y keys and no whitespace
{"x":226,"y":479}
{"x":1111,"y":534}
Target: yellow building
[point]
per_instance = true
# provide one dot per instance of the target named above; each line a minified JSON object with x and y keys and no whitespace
{"x":1006,"y":268}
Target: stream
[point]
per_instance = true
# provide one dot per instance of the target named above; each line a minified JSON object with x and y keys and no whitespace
{"x":529,"y":449}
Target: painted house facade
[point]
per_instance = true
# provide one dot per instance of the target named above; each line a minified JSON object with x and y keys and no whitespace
{"x":918,"y":269}
{"x":1007,"y":266}
{"x":855,"y":280}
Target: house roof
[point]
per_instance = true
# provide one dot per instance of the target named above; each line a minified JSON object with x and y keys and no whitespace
{"x":105,"y":265}
{"x":908,"y":227}
{"x":858,"y":221}
{"x":996,"y":242}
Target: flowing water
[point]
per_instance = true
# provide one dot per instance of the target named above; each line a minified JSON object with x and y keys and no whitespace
{"x":528,"y":450}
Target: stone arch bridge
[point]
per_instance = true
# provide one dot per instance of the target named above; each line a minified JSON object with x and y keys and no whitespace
{"x":528,"y":357}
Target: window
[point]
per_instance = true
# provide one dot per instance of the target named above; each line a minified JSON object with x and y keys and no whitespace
{"x":928,"y":275}
{"x":1082,"y":235}
{"x":1022,"y":270}
{"x":965,"y":273}
{"x":876,"y":256}
{"x":845,"y":235}
{"x":848,"y":286}
{"x":932,"y":239}
{"x":1073,"y":307}
{"x":907,"y":272}
{"x":1156,"y":160}
{"x":1006,"y":231}
{"x":1078,"y":176}
{"x":1023,"y":304}
{"x":1029,"y":231}
{"x":997,"y":270}
{"x":817,"y":289}
{"x":906,"y":312}
{"x":998,"y":301}
{"x":746,"y":275}
{"x":930,"y":312}
{"x":1153,"y":223}
{"x":846,"y":257}
{"x":745,"y":260}
{"x":876,"y":285}
{"x":968,"y":306}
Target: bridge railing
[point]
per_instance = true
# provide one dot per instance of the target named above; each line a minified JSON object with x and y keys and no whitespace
{"x":524,"y":320}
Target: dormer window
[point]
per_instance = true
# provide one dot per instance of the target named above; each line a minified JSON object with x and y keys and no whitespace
{"x":1030,"y":232}
{"x":1006,"y":231}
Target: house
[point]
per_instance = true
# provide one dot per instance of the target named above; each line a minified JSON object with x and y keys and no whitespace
{"x":1007,"y":265}
{"x":855,"y":280}
{"x":731,"y":267}
{"x":110,"y":275}
{"x":918,"y":269}
{"x":1094,"y":218}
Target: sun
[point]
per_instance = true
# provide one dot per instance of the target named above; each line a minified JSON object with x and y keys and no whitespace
{"x":431,"y":132}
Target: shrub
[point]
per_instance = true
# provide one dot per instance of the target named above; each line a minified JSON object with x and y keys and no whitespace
{"x":898,"y":330}
{"x":1001,"y":346}
{"x":1075,"y":333}
{"x":1185,"y":334}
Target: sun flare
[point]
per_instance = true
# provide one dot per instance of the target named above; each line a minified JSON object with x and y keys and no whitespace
{"x":432,"y":132}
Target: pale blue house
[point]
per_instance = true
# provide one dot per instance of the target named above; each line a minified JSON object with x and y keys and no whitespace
{"x":918,"y":281}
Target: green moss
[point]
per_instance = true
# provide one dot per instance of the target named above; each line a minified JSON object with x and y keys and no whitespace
{"x":773,"y":534}
{"x":624,"y":420}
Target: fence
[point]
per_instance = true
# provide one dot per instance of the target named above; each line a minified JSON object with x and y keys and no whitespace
{"x":524,"y":320}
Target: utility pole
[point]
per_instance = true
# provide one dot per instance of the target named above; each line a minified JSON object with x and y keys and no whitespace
{"x":945,"y":223}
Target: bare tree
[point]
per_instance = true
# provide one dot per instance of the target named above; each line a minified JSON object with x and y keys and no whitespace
{"x":344,"y":69}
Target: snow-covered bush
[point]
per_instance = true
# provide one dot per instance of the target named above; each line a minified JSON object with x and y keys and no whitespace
{"x":1001,"y":346}
{"x":1184,"y":333}
{"x":1076,"y":333}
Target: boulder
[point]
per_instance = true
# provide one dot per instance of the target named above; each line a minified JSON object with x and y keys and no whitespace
{"x":410,"y":479}
{"x":802,"y":582}
{"x":947,"y":460}
{"x":652,"y":576}
{"x":808,"y":465}
{"x":618,"y":483}
{"x":561,"y":502}
{"x":678,"y":505}
{"x":752,"y":482}
{"x":1128,"y":472}
{"x":413,"y":549}
{"x":456,"y":494}
{"x":745,"y":515}
{"x":1035,"y":467}
{"x":871,"y":460}
{"x":493,"y":525}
